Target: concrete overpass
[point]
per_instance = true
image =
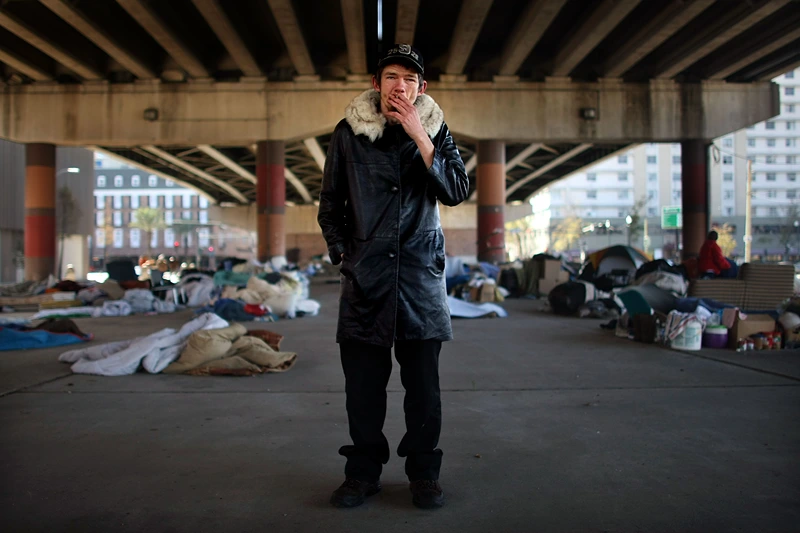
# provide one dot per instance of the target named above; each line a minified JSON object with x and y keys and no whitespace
{"x":237,"y":98}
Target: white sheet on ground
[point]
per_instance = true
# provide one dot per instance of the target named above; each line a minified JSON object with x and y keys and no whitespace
{"x":462,"y":309}
{"x":154,"y":352}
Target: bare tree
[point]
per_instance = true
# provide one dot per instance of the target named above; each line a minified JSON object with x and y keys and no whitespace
{"x":568,"y":231}
{"x":788,"y":229}
{"x":636,"y":226}
{"x":69,"y":215}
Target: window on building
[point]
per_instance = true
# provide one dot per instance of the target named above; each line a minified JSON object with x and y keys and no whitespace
{"x":727,"y":176}
{"x":727,"y":160}
{"x":791,"y":142}
{"x":622,"y":159}
{"x":203,"y":202}
{"x":773,"y":211}
{"x":117,"y":218}
{"x":118,"y":181}
{"x":791,"y":176}
{"x":101,"y":181}
{"x":591,"y":195}
{"x":622,"y":176}
{"x":169,"y":217}
{"x":676,"y":160}
{"x":555,"y":195}
{"x":676,"y":195}
{"x":621,"y":212}
{"x":186,"y":215}
{"x":117,"y":238}
{"x":729,"y":211}
{"x":788,"y":91}
{"x":203,"y":217}
{"x":169,"y":183}
{"x":132,"y":217}
{"x":770,"y":124}
{"x":791,"y":125}
{"x":791,"y":159}
{"x":135,"y":238}
{"x":750,"y":158}
{"x":153,"y":200}
{"x":591,"y":176}
{"x":203,"y":238}
{"x":187,"y":201}
{"x":100,"y":202}
{"x":652,"y":177}
{"x":652,"y":211}
{"x":789,"y":75}
{"x":622,"y":195}
{"x":135,"y":201}
{"x":651,"y":194}
{"x":790,"y":108}
{"x":676,"y":176}
{"x":118,"y":202}
{"x":169,"y":237}
{"x":169,"y":201}
{"x":791,"y":194}
{"x":770,"y":159}
{"x":751,"y":142}
{"x":727,"y":195}
{"x":770,"y":176}
{"x":100,"y":238}
{"x":100,"y":219}
{"x":135,"y":180}
{"x":727,"y":142}
{"x":652,"y":160}
{"x":152,"y":181}
{"x":770,"y":142}
{"x":154,"y":239}
{"x":772,"y":193}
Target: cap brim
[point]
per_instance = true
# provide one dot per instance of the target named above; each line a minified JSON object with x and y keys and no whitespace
{"x":401,"y":61}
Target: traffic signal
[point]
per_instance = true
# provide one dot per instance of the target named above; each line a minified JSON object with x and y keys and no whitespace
{"x":176,"y":244}
{"x":211,"y":249}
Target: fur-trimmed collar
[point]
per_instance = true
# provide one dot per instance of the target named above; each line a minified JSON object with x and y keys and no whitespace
{"x":364,"y":116}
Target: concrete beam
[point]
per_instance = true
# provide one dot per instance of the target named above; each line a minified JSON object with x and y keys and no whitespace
{"x":600,"y":23}
{"x":297,"y":184}
{"x":29,"y":36}
{"x":544,"y":168}
{"x":714,"y":37}
{"x":221,"y":25}
{"x":17,"y":63}
{"x":522,"y":156}
{"x":468,"y":26}
{"x":234,"y":114}
{"x":353,"y":15}
{"x":406,"y":22}
{"x":226,"y":162}
{"x":152,"y":24}
{"x":98,"y":36}
{"x":283,"y":11}
{"x":150,"y":170}
{"x":674,"y":17}
{"x":720,"y":73}
{"x":470,"y":165}
{"x":534,"y":21}
{"x":316,"y":151}
{"x":778,"y":71}
{"x":166,"y":156}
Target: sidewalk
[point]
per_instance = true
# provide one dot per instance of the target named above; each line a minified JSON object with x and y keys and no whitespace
{"x":550,"y":424}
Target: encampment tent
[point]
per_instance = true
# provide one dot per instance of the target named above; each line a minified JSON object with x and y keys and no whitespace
{"x":616,"y":266}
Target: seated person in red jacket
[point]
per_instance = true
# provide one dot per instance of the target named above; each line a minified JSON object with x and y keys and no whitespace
{"x":712,"y":260}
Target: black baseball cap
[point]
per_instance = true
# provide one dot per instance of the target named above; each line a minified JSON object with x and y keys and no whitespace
{"x":404,"y":54}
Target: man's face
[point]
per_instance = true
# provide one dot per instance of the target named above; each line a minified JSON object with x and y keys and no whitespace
{"x":398,"y":80}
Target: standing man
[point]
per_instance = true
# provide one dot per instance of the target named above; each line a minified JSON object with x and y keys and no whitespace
{"x":389,"y":162}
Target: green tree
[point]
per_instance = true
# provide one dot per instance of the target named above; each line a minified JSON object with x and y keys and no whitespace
{"x":568,"y":231}
{"x":148,"y":219}
{"x":69,"y":215}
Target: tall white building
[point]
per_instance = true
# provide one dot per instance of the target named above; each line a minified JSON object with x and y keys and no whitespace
{"x":651,"y":174}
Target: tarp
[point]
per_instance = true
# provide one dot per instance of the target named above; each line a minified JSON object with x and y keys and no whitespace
{"x":13,"y":339}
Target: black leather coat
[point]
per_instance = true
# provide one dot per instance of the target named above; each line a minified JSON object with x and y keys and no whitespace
{"x":378,"y":206}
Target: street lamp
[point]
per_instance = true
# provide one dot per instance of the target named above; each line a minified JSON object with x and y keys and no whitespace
{"x":608,"y":230}
{"x":628,"y":220}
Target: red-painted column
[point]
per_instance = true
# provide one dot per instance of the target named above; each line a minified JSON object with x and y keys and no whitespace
{"x":271,"y":199}
{"x":40,"y":211}
{"x":491,"y":201}
{"x":694,"y":179}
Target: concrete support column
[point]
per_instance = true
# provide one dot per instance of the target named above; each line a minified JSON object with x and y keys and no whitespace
{"x":694,"y":179}
{"x":271,"y":199}
{"x":40,"y":210}
{"x":491,"y":201}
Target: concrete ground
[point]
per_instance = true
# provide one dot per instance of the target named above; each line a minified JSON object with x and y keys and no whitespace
{"x":550,"y":424}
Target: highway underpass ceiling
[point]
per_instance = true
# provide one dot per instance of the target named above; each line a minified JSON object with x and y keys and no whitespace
{"x":538,"y":165}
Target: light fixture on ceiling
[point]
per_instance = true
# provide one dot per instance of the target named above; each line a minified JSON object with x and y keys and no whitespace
{"x":589,"y":113}
{"x":150,"y":114}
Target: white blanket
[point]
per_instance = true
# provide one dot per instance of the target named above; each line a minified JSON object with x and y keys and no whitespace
{"x":154,"y":352}
{"x":462,"y":309}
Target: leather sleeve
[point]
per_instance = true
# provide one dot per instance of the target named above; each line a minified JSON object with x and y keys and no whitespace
{"x":332,"y":197}
{"x":447,"y":173}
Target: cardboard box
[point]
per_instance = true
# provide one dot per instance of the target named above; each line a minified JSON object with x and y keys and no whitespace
{"x":547,"y":285}
{"x":483,"y":294}
{"x":743,"y":328}
{"x":550,"y":269}
{"x":563,"y":276}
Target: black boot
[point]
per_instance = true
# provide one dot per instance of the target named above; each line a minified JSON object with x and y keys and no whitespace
{"x":354,"y":492}
{"x":427,"y":494}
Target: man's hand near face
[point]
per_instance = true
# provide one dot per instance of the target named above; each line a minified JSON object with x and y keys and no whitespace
{"x":405,"y":113}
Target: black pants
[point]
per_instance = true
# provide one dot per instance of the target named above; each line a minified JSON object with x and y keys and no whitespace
{"x":367,"y":369}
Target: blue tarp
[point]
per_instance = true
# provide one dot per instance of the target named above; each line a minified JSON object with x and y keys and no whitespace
{"x":14,"y":339}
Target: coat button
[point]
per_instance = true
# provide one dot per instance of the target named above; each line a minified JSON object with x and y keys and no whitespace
{"x":392,"y":254}
{"x":394,"y":189}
